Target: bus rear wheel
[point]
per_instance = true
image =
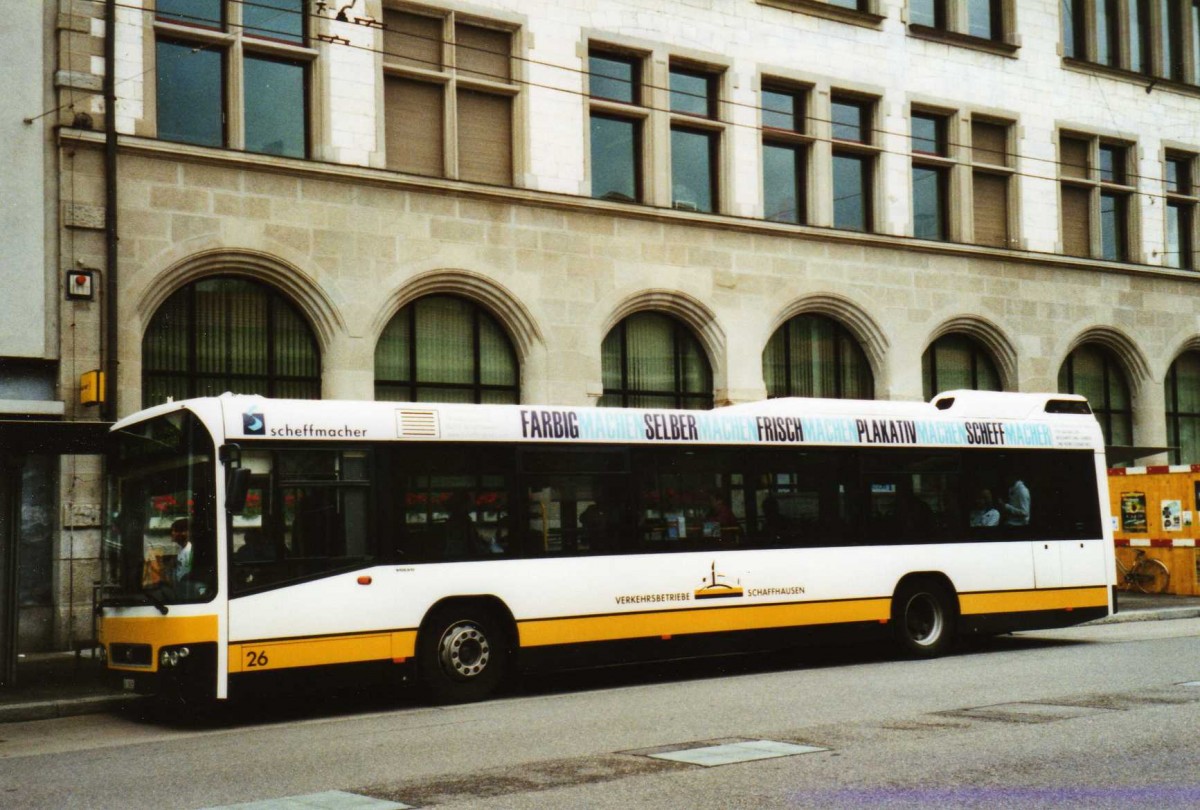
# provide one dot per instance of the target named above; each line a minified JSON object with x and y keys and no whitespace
{"x":462,"y":653}
{"x":923,"y":618}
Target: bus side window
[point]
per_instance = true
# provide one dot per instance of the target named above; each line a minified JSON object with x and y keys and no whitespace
{"x":689,"y":500}
{"x":321,"y":517}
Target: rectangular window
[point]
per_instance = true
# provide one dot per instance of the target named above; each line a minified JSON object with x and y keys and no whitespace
{"x":308,"y":513}
{"x":929,"y":202}
{"x":616,"y":158}
{"x":693,"y":93}
{"x":1095,"y":197}
{"x":448,"y":118}
{"x":617,"y":124}
{"x":1182,"y":200}
{"x":785,"y":154}
{"x":1170,"y":17}
{"x":977,"y":19}
{"x":197,"y":63}
{"x":695,"y":147}
{"x":276,"y":106}
{"x":191,"y":87}
{"x":1139,"y":36}
{"x":927,"y":12}
{"x":414,"y":115}
{"x":985,"y":19}
{"x":930,"y":175}
{"x":693,"y":169}
{"x":852,"y":192}
{"x":854,"y":160}
{"x":783,"y":183}
{"x":991,"y":177}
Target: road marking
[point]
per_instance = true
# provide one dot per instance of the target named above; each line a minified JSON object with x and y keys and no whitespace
{"x":328,"y":800}
{"x":710,"y":756}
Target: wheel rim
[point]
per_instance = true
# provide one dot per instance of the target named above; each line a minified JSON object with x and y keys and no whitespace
{"x":463,"y":651}
{"x":923,"y":619}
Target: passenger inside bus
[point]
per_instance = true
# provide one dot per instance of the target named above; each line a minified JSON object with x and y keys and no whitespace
{"x":984,"y":512}
{"x":1016,"y":509}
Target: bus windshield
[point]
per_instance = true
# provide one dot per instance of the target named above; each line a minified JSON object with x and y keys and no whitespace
{"x":161,"y":546}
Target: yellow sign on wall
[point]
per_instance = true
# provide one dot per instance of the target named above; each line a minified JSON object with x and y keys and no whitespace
{"x":91,"y":387}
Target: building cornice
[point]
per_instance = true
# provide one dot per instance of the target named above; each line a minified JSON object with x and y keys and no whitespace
{"x":567,"y":203}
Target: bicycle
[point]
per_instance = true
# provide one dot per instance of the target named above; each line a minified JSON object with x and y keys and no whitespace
{"x":1146,"y":574}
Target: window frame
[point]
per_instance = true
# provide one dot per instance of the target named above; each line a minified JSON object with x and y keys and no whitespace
{"x":709,"y":124}
{"x":952,"y":25}
{"x":1184,"y":197}
{"x":866,"y":149}
{"x":941,"y":162}
{"x":979,"y":354}
{"x":864,"y":13}
{"x":1174,"y":416}
{"x":1099,"y":188}
{"x":232,"y":40}
{"x":634,"y":112}
{"x":842,"y":338}
{"x":1111,"y":367}
{"x":680,"y":333}
{"x":275,"y":300}
{"x":454,"y":81}
{"x":1005,"y":170}
{"x":797,"y":139}
{"x":1158,"y":37}
{"x":414,"y":384}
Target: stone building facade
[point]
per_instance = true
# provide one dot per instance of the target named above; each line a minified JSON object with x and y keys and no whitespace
{"x":1063,"y":217}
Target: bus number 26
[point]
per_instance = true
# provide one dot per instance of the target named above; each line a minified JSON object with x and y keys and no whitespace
{"x":256,"y":658}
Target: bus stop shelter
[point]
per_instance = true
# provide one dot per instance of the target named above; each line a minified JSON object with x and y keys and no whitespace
{"x":21,"y":439}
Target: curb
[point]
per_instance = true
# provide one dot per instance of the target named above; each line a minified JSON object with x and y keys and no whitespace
{"x":63,"y":707}
{"x":1149,"y":615}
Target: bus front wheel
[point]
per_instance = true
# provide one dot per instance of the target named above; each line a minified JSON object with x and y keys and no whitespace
{"x":462,"y":653}
{"x":923,"y":618}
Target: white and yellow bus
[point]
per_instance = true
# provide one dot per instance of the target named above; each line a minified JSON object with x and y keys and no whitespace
{"x":253,"y":536}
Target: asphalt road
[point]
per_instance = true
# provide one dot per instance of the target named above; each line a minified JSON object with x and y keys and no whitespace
{"x":1101,"y":716}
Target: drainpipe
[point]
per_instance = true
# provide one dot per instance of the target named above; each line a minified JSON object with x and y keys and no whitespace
{"x":109,"y":348}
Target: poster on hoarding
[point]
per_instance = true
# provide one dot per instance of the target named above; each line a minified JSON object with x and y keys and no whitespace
{"x":1133,"y":511}
{"x":1172,"y":516}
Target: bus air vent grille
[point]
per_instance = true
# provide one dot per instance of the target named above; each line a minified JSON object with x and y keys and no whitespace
{"x":419,"y":424}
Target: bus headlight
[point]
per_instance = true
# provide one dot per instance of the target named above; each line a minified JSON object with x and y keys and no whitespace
{"x":170,"y":657}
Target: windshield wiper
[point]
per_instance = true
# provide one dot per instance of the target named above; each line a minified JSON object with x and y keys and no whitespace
{"x":131,"y":599}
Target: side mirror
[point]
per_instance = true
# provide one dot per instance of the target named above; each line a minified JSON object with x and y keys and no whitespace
{"x":237,"y":487}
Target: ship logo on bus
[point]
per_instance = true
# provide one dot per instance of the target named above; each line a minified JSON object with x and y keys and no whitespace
{"x":253,"y":422}
{"x":714,"y":588}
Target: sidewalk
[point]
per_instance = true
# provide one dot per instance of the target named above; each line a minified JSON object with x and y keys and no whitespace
{"x":62,"y":684}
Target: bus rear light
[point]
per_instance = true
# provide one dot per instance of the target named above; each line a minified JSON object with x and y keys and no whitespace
{"x":364,"y":580}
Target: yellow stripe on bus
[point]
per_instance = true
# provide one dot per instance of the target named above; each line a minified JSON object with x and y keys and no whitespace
{"x":972,"y":604}
{"x":614,"y":627}
{"x":400,"y":645}
{"x":312,"y":652}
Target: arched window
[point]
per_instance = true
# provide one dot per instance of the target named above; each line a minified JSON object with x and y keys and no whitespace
{"x":229,"y":334}
{"x":1093,"y":371}
{"x":1183,"y":408}
{"x":651,"y":360}
{"x":815,"y":356}
{"x":957,"y":361}
{"x":442,"y":348}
